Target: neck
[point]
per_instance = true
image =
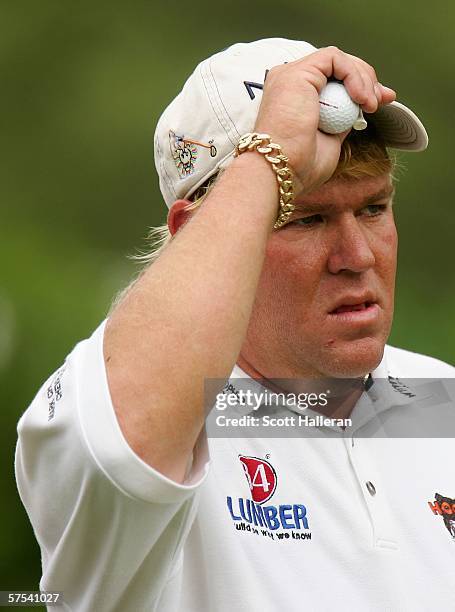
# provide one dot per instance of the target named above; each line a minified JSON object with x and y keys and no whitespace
{"x":344,"y":393}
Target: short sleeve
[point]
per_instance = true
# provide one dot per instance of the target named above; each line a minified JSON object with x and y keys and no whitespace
{"x":93,"y":503}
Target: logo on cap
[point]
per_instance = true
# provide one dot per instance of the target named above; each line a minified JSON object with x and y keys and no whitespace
{"x":184,"y":152}
{"x":261,"y":478}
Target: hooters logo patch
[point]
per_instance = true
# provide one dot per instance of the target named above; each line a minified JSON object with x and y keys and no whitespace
{"x":445,"y":507}
{"x":261,"y":478}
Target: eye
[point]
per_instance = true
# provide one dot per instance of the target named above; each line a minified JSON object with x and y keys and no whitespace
{"x":307,"y":221}
{"x":373,"y":210}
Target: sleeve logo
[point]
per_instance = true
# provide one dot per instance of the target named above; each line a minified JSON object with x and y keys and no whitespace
{"x":445,"y":507}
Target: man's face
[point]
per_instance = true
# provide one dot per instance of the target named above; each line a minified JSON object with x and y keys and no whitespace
{"x":324,"y":303}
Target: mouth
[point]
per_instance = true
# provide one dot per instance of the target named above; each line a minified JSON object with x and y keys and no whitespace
{"x":352,"y":307}
{"x":355,"y":312}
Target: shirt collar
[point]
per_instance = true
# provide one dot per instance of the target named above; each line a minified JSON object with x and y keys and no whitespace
{"x":386,"y":392}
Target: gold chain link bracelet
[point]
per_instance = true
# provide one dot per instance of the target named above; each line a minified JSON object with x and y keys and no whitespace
{"x":273,"y":154}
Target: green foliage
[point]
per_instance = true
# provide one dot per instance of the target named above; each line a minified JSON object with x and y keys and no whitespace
{"x":82,"y":87}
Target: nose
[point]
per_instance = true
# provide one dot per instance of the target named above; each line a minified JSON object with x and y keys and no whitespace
{"x":350,"y":249}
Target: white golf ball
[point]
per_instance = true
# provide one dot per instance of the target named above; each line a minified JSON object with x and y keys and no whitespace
{"x":337,"y":111}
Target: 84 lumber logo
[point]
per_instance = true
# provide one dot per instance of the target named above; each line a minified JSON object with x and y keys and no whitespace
{"x":261,"y":478}
{"x":251,"y":515}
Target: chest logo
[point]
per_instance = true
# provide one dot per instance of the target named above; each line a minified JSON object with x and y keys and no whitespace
{"x":261,"y":478}
{"x":288,"y":521}
{"x":445,"y":507}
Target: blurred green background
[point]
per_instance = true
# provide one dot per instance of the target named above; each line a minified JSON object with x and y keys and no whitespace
{"x":82,"y":87}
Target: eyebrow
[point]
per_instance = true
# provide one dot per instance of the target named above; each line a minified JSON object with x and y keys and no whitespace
{"x":316,"y":207}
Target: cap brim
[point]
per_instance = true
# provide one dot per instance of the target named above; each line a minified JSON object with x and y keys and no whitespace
{"x":399,"y":127}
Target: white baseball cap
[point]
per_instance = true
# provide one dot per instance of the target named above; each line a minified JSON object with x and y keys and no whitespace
{"x":198,"y":132}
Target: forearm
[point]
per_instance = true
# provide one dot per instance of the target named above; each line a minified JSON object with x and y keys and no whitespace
{"x":186,"y":317}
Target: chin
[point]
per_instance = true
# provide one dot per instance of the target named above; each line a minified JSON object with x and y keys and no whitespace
{"x":352,"y":359}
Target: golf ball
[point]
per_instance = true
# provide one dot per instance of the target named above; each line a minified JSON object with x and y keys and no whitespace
{"x":337,"y":111}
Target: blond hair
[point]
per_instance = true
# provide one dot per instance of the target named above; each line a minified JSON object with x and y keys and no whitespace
{"x":362,"y":155}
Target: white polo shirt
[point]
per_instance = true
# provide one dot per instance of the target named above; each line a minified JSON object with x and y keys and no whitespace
{"x":341,"y":519}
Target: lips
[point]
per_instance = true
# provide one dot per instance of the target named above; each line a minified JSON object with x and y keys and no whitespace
{"x":353,"y":303}
{"x":351,"y":307}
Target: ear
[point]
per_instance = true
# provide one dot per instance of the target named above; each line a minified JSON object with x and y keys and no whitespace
{"x":177,"y":215}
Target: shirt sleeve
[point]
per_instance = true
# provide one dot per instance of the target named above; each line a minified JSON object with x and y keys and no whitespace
{"x":110,"y":527}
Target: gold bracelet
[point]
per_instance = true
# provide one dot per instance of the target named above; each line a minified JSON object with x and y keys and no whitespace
{"x":273,"y":154}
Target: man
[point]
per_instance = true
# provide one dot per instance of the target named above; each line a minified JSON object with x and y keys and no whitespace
{"x":112,"y":460}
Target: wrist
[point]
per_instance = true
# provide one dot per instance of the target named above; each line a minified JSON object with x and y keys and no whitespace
{"x":257,"y":168}
{"x":262,"y":145}
{"x":260,"y":177}
{"x":249,"y":183}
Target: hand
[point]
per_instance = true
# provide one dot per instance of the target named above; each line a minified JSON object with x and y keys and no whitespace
{"x":289,"y":110}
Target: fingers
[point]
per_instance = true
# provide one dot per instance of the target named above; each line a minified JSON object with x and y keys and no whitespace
{"x":388,"y":94}
{"x":308,"y":73}
{"x":383,"y":94}
{"x":359,"y":77}
{"x":370,"y":82}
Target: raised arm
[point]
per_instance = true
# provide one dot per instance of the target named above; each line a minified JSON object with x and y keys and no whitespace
{"x":185,"y":319}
